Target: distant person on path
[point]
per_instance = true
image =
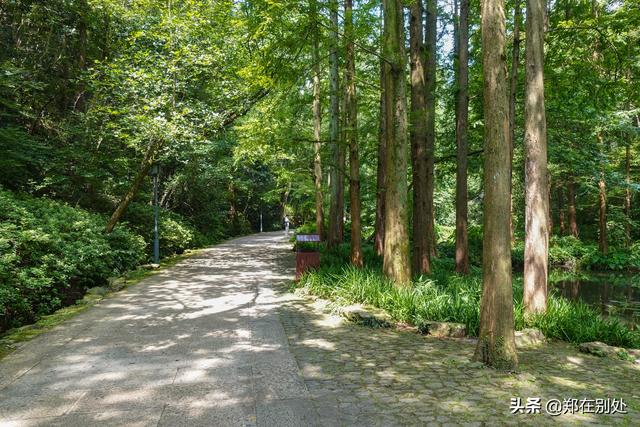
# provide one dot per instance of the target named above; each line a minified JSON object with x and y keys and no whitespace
{"x":286,"y":224}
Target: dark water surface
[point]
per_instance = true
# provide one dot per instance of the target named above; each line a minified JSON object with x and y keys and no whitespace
{"x":613,"y":295}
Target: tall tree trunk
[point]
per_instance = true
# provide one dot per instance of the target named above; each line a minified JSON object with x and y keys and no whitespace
{"x":430,"y":87}
{"x":285,"y":200}
{"x":421,"y":215}
{"x":513,"y":90}
{"x":351,"y":134}
{"x":381,"y":169}
{"x":560,"y":201}
{"x":336,"y":208}
{"x":79,"y":101}
{"x":602,"y":216}
{"x":342,"y":155}
{"x":537,"y":185}
{"x":513,"y":78}
{"x":550,"y":205}
{"x":138,"y":180}
{"x":627,"y":195}
{"x":233,"y":208}
{"x":496,"y":344}
{"x":462,"y":119}
{"x":627,"y":159}
{"x":317,"y":122}
{"x":396,"y":264}
{"x":343,"y":161}
{"x":571,"y":206}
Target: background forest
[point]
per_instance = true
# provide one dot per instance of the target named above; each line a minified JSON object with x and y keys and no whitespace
{"x":231,"y":99}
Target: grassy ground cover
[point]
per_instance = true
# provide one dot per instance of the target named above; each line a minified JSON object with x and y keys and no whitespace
{"x":51,"y":252}
{"x":446,"y":296}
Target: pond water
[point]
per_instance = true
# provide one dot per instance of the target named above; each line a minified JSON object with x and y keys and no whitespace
{"x":613,"y":295}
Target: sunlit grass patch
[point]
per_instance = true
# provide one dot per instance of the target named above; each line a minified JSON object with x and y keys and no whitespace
{"x":448,"y":297}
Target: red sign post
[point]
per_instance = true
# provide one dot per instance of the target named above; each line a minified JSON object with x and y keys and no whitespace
{"x":307,"y":256}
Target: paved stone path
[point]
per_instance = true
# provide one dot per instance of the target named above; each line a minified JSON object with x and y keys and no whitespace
{"x":381,"y":377}
{"x":198,"y":344}
{"x":215,"y":341}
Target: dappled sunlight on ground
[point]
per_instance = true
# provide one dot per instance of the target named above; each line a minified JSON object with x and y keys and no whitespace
{"x":217,"y":341}
{"x":198,"y":344}
{"x":388,"y":377}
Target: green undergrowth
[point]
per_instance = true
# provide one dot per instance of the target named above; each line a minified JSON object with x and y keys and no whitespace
{"x":46,"y":323}
{"x":9,"y":339}
{"x":51,"y":252}
{"x":565,"y":252}
{"x":448,"y":297}
{"x":570,"y":253}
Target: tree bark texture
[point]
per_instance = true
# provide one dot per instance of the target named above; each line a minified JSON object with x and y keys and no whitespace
{"x":560,"y":203}
{"x":627,"y":193}
{"x":336,"y":208}
{"x":549,"y":203}
{"x":537,"y":194}
{"x":421,"y":262}
{"x":430,"y":98}
{"x":513,"y":91}
{"x":462,"y":120}
{"x":396,"y":263}
{"x":496,"y":344}
{"x":603,"y":242}
{"x":381,"y":169}
{"x":351,"y":135}
{"x":317,"y":123}
{"x":571,"y":206}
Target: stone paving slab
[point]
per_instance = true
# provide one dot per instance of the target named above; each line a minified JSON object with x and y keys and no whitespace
{"x":389,"y":377}
{"x":218,"y":341}
{"x":198,"y":344}
{"x":106,"y":419}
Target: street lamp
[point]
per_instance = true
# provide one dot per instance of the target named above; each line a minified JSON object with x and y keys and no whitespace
{"x":153,"y":173}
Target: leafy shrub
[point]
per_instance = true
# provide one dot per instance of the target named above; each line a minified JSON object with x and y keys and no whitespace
{"x":617,"y":259}
{"x":306,"y":228}
{"x":517,"y":256}
{"x":51,"y":253}
{"x":176,"y":234}
{"x":341,"y":255}
{"x":569,"y":252}
{"x":474,"y":234}
{"x":577,"y":322}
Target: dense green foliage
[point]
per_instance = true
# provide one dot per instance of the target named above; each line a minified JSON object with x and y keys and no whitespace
{"x":448,"y":297}
{"x":570,"y":253}
{"x":219,"y":94}
{"x":592,"y":114}
{"x":90,"y":89}
{"x":565,"y":252}
{"x":51,"y":253}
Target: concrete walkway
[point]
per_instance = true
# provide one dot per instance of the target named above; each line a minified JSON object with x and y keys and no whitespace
{"x":198,"y":344}
{"x":213,"y":342}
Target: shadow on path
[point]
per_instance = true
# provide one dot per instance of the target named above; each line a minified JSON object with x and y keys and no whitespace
{"x":216,"y":341}
{"x":198,"y":344}
{"x":362,"y":376}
